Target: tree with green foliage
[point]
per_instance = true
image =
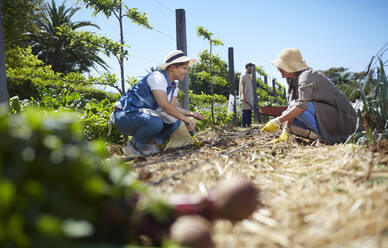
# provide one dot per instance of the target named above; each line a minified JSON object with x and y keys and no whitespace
{"x":206,"y":35}
{"x":100,"y":43}
{"x":339,"y":75}
{"x":55,"y":48}
{"x":345,"y":80}
{"x":27,"y":75}
{"x":120,"y":11}
{"x":199,"y":75}
{"x":18,"y":20}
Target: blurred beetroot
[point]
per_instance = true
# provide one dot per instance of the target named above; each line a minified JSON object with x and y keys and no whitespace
{"x":192,"y":231}
{"x":234,"y":199}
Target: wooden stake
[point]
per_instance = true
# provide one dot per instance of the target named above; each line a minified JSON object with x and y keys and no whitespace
{"x":181,"y":44}
{"x":273,"y":87}
{"x":256,"y":114}
{"x":232,"y":84}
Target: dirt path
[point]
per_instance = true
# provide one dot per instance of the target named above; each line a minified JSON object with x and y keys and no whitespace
{"x":330,"y":196}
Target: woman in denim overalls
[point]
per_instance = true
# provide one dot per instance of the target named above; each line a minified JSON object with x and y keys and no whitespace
{"x":148,"y":110}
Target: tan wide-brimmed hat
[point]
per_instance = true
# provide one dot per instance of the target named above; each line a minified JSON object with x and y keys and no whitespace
{"x":175,"y":57}
{"x":290,"y":60}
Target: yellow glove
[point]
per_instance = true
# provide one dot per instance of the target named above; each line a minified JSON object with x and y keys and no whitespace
{"x":283,"y":137}
{"x":271,"y":126}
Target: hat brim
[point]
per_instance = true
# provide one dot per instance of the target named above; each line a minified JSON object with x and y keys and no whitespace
{"x":178,"y":60}
{"x":289,"y":66}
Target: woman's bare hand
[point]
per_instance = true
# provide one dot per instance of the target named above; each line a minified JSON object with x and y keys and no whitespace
{"x":197,"y":116}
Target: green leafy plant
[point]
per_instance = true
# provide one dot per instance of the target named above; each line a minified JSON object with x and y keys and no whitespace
{"x":373,"y":91}
{"x":221,"y":117}
{"x":95,"y":117}
{"x":208,"y":36}
{"x":18,"y":20}
{"x":26,"y":75}
{"x":94,"y":114}
{"x":56,"y":190}
{"x":346,"y":81}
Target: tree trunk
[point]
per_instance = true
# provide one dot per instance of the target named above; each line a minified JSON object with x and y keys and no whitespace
{"x":3,"y":78}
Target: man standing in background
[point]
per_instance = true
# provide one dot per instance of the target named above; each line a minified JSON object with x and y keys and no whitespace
{"x":246,"y":95}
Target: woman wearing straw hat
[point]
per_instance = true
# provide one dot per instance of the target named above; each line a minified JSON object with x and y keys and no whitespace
{"x":148,"y":110}
{"x":320,"y":112}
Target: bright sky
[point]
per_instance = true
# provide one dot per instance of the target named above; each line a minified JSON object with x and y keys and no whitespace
{"x":341,"y":33}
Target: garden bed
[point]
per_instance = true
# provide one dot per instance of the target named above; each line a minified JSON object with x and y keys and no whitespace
{"x":328,"y":196}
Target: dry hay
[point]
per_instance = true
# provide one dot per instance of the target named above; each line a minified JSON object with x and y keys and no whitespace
{"x":329,"y":196}
{"x":380,"y":151}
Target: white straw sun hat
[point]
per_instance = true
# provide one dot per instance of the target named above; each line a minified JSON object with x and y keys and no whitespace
{"x":290,"y":60}
{"x":175,"y":57}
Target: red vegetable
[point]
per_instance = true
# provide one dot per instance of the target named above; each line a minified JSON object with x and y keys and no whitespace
{"x":234,"y":199}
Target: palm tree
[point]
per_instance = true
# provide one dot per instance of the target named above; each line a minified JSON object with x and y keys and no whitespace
{"x":55,"y":49}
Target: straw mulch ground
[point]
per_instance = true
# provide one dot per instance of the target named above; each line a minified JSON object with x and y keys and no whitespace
{"x":329,"y":196}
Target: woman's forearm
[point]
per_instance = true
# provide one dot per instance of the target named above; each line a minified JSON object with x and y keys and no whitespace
{"x":291,"y":114}
{"x":184,"y":111}
{"x":169,"y":108}
{"x":175,"y":111}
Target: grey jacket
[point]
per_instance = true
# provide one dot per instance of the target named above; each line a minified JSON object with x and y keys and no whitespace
{"x":246,"y":90}
{"x":335,"y":116}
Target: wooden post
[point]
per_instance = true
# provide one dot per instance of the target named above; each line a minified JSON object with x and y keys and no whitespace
{"x":232,"y":85}
{"x":284,"y":94}
{"x":273,"y":87}
{"x":181,"y":44}
{"x":255,"y":103}
{"x":266,"y":83}
{"x":3,"y":78}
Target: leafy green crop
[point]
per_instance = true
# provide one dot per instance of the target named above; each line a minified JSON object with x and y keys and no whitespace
{"x":94,"y":115}
{"x":373,"y":92}
{"x":58,"y":191}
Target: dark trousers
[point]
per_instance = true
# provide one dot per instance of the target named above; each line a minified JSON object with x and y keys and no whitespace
{"x":246,"y":118}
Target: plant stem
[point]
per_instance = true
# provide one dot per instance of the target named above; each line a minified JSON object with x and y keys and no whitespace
{"x":211,"y":83}
{"x":121,"y":62}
